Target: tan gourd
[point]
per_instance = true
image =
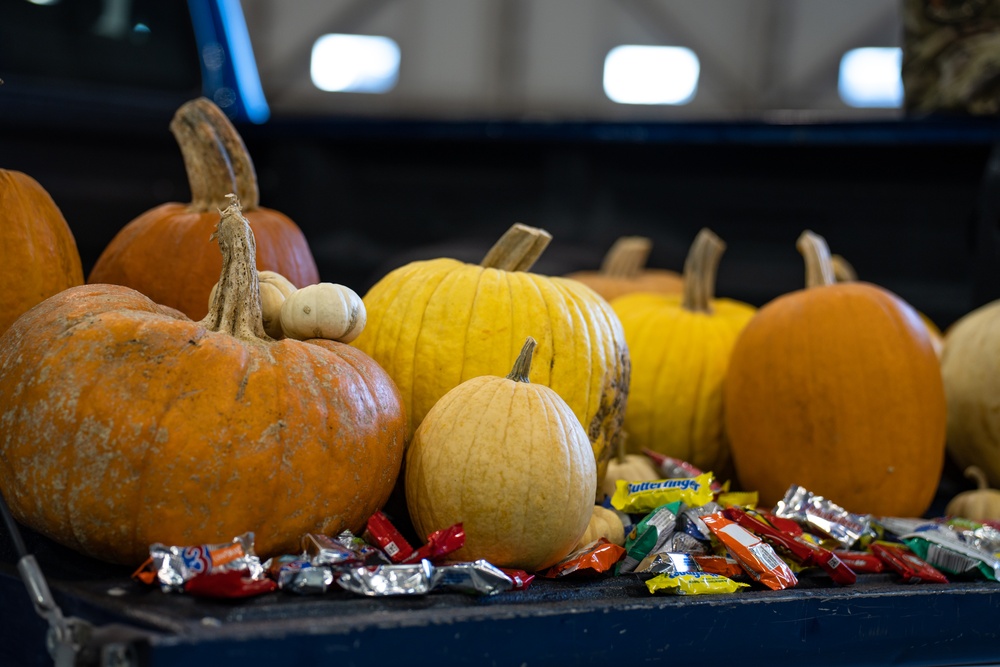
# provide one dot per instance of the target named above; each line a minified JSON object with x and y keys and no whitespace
{"x":274,"y":289}
{"x":509,"y":460}
{"x":325,"y":310}
{"x":629,"y":467}
{"x":979,"y":504}
{"x":603,"y":523}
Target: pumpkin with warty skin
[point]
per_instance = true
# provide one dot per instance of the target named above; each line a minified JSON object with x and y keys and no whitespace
{"x":38,"y":254}
{"x":143,"y":254}
{"x":680,"y":346}
{"x":836,"y":388}
{"x":123,"y":424}
{"x":434,"y":324}
{"x":509,"y":460}
{"x":623,"y":271}
{"x":972,"y":384}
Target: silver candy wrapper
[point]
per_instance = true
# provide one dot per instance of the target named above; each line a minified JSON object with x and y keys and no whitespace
{"x":669,"y":563}
{"x":305,"y":579}
{"x":175,"y":565}
{"x":690,"y":521}
{"x":382,"y":580}
{"x":823,"y":515}
{"x":476,"y":578}
{"x":324,"y":550}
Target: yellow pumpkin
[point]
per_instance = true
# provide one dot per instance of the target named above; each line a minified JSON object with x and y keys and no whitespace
{"x":680,"y":346}
{"x":603,"y":523}
{"x":980,"y":504}
{"x":509,"y":460}
{"x":623,"y":271}
{"x":436,"y":323}
{"x":836,"y":388}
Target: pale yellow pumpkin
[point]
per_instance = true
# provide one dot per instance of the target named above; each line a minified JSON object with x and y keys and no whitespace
{"x":434,"y":324}
{"x":970,"y":366}
{"x":680,"y":347}
{"x":274,"y":289}
{"x":324,"y":310}
{"x":603,"y":523}
{"x":509,"y":460}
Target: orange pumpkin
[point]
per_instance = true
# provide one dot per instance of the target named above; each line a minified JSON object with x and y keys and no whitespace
{"x":144,"y":253}
{"x":38,"y":254}
{"x":837,"y":388}
{"x":623,"y":271}
{"x":125,"y":424}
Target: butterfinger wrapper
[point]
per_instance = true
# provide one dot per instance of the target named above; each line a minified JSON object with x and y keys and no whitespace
{"x":637,"y":497}
{"x":385,"y":580}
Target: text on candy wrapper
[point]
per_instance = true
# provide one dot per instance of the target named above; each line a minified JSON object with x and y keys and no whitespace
{"x":683,"y":484}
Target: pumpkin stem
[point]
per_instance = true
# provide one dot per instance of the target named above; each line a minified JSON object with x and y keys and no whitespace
{"x":843,"y":272}
{"x":518,"y":249}
{"x":626,"y":257}
{"x":700,"y":269}
{"x":235,"y":307}
{"x":819,"y":269}
{"x":978,"y":476}
{"x":522,"y":366}
{"x":216,"y":160}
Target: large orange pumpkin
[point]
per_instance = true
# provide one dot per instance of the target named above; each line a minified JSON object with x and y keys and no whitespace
{"x":143,"y":255}
{"x":38,"y":254}
{"x":124,"y":424}
{"x":837,"y":388}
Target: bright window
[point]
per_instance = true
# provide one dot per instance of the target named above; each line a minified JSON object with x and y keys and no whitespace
{"x":651,"y":74}
{"x":354,"y":63}
{"x":870,"y":77}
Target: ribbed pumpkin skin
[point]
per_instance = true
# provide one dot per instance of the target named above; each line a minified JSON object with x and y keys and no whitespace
{"x":838,"y":389}
{"x":143,"y":254}
{"x":38,"y":254}
{"x":434,"y":324}
{"x":679,"y":361}
{"x":511,"y":462}
{"x":123,"y":425}
{"x":971,"y":370}
{"x":657,"y":281}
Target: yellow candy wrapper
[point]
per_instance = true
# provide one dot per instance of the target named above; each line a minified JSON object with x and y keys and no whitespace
{"x":640,"y":497}
{"x":693,"y":583}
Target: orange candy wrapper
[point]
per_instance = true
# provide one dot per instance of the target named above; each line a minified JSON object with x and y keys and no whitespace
{"x":595,"y":558}
{"x":751,"y":552}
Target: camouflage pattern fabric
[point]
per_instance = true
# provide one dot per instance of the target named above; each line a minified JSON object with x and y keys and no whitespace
{"x":951,"y":56}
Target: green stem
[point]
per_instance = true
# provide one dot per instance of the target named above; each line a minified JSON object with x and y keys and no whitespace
{"x":700,"y":269}
{"x":522,"y":366}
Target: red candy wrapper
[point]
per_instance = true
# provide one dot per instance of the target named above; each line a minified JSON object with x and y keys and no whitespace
{"x":228,"y":584}
{"x":801,"y":551}
{"x":755,"y":556}
{"x":595,"y":558}
{"x":520,"y":578}
{"x":861,"y":561}
{"x":911,"y":568}
{"x":723,"y":565}
{"x":440,"y":543}
{"x":384,"y":535}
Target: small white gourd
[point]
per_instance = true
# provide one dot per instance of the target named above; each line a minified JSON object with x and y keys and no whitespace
{"x":325,"y":310}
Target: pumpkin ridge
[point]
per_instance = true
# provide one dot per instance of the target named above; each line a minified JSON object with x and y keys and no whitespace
{"x":534,"y":281}
{"x":468,"y":325}
{"x":376,"y":331}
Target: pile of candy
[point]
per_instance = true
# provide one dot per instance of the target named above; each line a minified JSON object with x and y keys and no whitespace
{"x":685,"y":534}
